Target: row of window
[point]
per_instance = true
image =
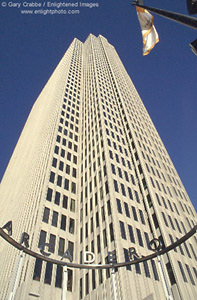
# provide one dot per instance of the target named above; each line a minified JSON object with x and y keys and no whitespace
{"x":70,"y":144}
{"x":145,"y":264}
{"x":56,"y":217}
{"x":184,"y":245}
{"x":64,"y":167}
{"x":60,"y":199}
{"x":124,"y":192}
{"x":188,"y":272}
{"x":69,"y":156}
{"x":68,"y":185}
{"x":49,"y":268}
{"x":127,"y":211}
{"x":112,"y":155}
{"x":52,"y":244}
{"x":132,"y":236}
{"x":120,"y":173}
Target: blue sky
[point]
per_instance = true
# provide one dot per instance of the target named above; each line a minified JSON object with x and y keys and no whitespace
{"x":32,"y":46}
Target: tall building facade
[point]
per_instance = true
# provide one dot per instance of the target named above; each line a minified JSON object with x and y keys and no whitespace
{"x":90,"y":173}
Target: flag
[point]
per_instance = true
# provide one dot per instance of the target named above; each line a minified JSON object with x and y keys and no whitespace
{"x":149,"y":34}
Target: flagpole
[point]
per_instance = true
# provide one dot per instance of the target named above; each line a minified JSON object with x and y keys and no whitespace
{"x":176,"y":17}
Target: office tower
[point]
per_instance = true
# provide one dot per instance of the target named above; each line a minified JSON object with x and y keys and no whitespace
{"x":90,"y":173}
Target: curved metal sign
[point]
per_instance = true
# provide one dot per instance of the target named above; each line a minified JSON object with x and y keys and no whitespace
{"x":154,"y":244}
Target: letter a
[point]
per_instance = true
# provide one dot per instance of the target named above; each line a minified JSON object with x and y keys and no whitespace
{"x":67,"y":255}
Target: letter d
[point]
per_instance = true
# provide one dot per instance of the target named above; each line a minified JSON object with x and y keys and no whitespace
{"x":86,"y":256}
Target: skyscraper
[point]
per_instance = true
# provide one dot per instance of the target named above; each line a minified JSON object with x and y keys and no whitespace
{"x":90,"y":173}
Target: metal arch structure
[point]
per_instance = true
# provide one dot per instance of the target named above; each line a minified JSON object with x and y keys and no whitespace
{"x":18,"y":246}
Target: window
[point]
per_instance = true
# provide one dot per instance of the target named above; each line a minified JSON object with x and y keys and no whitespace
{"x":195,"y":271}
{"x":132,"y":179}
{"x":59,"y":180}
{"x":126,"y":176}
{"x":170,"y":273}
{"x":126,"y":256}
{"x":155,"y":221}
{"x":123,"y":189}
{"x":73,"y":188}
{"x":137,"y":267}
{"x":70,"y":280}
{"x":122,"y":230}
{"x":134,"y":213}
{"x":177,"y":224}
{"x":72,"y":226}
{"x":119,"y":206}
{"x":66,"y":184}
{"x":56,"y":149}
{"x":146,"y":269}
{"x":54,"y":218}
{"x":98,"y":244}
{"x":139,"y":237}
{"x":87,"y":283}
{"x":130,"y":193}
{"x":58,"y":279}
{"x":172,"y":224}
{"x":69,"y":156}
{"x":74,"y":173}
{"x":147,"y":240}
{"x":57,"y":198}
{"x":187,"y":250}
{"x":109,"y":207}
{"x":113,"y":169}
{"x":182,"y":271}
{"x":164,"y":218}
{"x":52,"y":177}
{"x":72,"y":205}
{"x":142,"y":216}
{"x":97,"y":219}
{"x":61,"y":246}
{"x":194,"y":254}
{"x":119,"y":172}
{"x":54,"y":162}
{"x":158,"y":200}
{"x":48,"y":273}
{"x":93,"y":280}
{"x":104,"y":238}
{"x":67,"y":169}
{"x":116,"y":186}
{"x":71,"y":247}
{"x":137,"y":197}
{"x":52,"y":243}
{"x":127,"y":209}
{"x":65,"y":201}
{"x":62,"y":153}
{"x":46,"y":215}
{"x":154,"y":270}
{"x":132,"y":239}
{"x":63,"y":222}
{"x":37,"y":269}
{"x":111,"y":232}
{"x":49,"y":194}
{"x":42,"y":238}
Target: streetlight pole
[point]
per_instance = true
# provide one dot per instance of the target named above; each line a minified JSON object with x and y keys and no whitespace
{"x":64,"y":282}
{"x":114,"y":288}
{"x":164,"y":279}
{"x":16,"y":277}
